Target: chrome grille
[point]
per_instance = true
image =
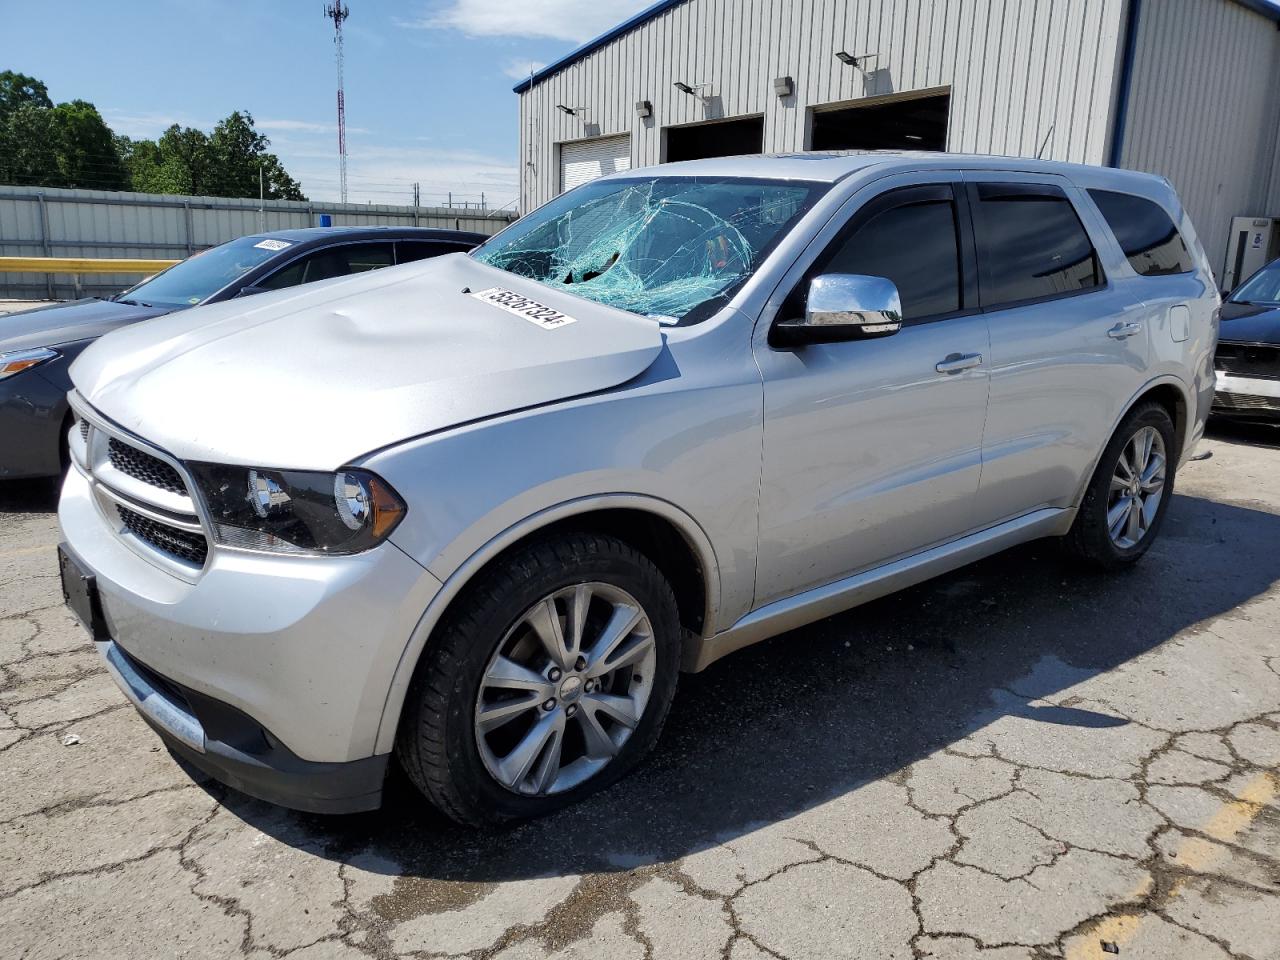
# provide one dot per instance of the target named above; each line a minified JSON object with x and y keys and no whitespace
{"x":191,"y":547}
{"x":1246,"y":401}
{"x":142,"y":494}
{"x":144,"y":467}
{"x":1258,"y":361}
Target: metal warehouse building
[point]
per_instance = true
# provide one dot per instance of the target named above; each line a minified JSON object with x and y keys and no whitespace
{"x":1189,"y":89}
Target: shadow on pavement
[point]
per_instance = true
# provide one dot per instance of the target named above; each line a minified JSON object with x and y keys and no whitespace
{"x":814,"y":714}
{"x":29,"y":496}
{"x":1244,"y":431}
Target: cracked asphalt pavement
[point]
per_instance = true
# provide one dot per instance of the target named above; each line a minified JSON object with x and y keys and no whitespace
{"x":1015,"y":762}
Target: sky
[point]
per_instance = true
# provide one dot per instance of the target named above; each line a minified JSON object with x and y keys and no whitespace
{"x":428,"y":83}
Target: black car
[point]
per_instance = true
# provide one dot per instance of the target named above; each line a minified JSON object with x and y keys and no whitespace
{"x":37,"y":346}
{"x":1248,"y":357}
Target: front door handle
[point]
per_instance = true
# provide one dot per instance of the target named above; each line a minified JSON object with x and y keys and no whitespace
{"x":956,"y":362}
{"x":1122,"y":330}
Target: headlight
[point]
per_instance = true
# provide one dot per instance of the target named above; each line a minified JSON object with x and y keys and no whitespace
{"x":298,"y":511}
{"x":15,"y":361}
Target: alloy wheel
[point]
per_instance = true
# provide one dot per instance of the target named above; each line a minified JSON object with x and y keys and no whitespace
{"x":1137,"y":487}
{"x":565,"y":689}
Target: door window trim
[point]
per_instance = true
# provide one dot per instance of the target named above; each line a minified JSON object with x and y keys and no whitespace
{"x":322,"y":248}
{"x":893,"y":198}
{"x":977,"y":190}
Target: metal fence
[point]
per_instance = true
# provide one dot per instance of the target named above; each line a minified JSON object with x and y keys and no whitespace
{"x":41,"y":221}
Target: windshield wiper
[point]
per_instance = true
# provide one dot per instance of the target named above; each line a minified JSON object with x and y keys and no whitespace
{"x":135,"y":303}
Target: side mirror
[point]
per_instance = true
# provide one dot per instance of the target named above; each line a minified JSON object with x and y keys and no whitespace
{"x":843,"y":306}
{"x":250,"y":291}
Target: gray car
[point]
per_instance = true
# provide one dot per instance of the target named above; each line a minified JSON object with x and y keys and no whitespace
{"x":479,"y":513}
{"x":37,"y":347}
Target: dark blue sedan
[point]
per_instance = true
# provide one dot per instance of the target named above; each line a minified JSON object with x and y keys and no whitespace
{"x":1248,"y":356}
{"x":37,"y":346}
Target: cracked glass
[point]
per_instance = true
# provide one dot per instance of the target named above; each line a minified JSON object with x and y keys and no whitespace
{"x":672,"y":248}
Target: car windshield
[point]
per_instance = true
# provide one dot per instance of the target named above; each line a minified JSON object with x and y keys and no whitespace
{"x":199,"y":277}
{"x":1263,"y":287}
{"x":674,"y":248}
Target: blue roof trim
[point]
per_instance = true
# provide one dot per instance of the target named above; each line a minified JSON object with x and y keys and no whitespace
{"x":662,"y":6}
{"x":1267,"y":8}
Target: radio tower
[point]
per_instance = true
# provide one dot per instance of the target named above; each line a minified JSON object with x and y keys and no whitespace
{"x":337,"y":12}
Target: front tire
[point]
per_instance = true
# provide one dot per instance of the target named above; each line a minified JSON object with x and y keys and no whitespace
{"x":1125,"y":502}
{"x":548,"y":680}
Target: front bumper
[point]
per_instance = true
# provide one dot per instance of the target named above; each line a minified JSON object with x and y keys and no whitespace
{"x":1251,"y":398}
{"x":301,"y":649}
{"x":231,"y":747}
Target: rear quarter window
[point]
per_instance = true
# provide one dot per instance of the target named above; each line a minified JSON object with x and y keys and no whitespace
{"x":1145,"y":233}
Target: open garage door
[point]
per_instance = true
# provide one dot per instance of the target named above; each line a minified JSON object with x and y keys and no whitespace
{"x":914,"y":123}
{"x":721,"y":138}
{"x":584,"y":160}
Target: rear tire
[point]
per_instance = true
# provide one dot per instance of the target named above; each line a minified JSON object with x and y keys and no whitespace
{"x":517,"y":709}
{"x":1125,"y":502}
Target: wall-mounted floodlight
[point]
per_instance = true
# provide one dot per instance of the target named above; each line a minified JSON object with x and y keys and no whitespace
{"x":784,"y":86}
{"x":702,"y":90}
{"x":644,"y":109}
{"x":569,"y":110}
{"x":849,"y":60}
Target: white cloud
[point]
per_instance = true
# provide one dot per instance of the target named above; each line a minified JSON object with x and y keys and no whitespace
{"x":520,"y":69}
{"x":149,"y":124}
{"x":385,"y":174}
{"x":296,"y":126}
{"x":575,"y":20}
{"x":302,"y":126}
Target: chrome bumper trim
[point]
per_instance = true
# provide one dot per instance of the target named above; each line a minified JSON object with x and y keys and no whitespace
{"x":152,"y":703}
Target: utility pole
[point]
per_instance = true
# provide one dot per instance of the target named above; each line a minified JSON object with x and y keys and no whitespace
{"x":337,"y":12}
{"x":262,"y":204}
{"x":417,"y":192}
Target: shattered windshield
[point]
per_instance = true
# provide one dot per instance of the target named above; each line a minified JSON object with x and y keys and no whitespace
{"x":675,"y":248}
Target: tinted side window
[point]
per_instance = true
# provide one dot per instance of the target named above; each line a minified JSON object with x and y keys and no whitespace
{"x":1145,"y":233}
{"x":915,"y":246}
{"x":1031,"y":244}
{"x":333,"y":262}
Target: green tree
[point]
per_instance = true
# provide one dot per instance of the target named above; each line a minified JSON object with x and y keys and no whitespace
{"x":70,"y":145}
{"x":29,"y":147}
{"x":87,"y":156}
{"x":17,"y":89}
{"x":238,"y":153}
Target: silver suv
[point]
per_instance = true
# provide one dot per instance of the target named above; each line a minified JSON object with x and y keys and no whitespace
{"x":479,"y":512}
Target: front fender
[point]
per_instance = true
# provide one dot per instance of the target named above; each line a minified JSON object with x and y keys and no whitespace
{"x":464,"y":572}
{"x":680,"y":447}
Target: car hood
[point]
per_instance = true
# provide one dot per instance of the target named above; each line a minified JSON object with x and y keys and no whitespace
{"x":68,"y":322}
{"x":1249,"y":323}
{"x":317,"y":376}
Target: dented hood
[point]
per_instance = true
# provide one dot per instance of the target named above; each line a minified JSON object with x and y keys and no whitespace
{"x":316,"y":376}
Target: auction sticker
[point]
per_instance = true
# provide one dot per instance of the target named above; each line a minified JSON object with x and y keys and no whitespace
{"x":273,"y":245}
{"x":530,"y":310}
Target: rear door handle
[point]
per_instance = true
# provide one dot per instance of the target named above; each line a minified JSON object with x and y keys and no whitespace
{"x":1122,"y":330}
{"x":956,"y":362}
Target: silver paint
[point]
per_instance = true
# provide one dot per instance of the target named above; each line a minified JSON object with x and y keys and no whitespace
{"x":803,"y":481}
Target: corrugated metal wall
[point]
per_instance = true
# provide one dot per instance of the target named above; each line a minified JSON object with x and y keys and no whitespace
{"x":1204,"y":110}
{"x":38,"y":222}
{"x":1020,"y":72}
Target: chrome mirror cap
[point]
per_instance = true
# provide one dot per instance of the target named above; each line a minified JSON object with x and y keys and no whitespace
{"x":843,"y":306}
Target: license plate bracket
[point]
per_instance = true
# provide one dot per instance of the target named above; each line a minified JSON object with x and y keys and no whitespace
{"x":80,"y":593}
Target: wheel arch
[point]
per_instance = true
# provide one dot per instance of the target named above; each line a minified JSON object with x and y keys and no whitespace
{"x":1168,"y":391}
{"x":654,"y":526}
